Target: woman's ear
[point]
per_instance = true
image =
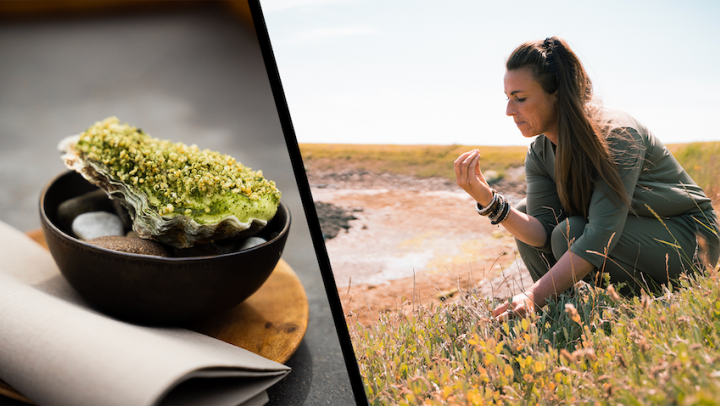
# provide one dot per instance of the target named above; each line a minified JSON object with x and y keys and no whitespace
{"x":553,"y":97}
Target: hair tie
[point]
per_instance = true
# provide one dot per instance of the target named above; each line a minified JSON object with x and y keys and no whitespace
{"x":549,"y":45}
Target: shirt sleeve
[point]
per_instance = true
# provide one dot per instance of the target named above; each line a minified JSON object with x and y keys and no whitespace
{"x":607,"y":214}
{"x":542,"y":201}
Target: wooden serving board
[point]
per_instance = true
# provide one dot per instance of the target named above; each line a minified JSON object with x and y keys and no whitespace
{"x":270,"y":323}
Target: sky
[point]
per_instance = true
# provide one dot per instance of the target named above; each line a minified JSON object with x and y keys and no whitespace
{"x":429,"y":72}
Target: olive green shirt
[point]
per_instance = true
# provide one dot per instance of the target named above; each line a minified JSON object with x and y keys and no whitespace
{"x":651,"y":176}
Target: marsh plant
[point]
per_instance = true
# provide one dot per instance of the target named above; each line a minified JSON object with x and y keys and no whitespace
{"x":589,"y":346}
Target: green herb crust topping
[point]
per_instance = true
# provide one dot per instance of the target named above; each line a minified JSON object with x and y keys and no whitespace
{"x":178,"y":179}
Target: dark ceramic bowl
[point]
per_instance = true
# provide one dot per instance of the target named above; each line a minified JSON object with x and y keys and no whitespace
{"x":157,"y":290}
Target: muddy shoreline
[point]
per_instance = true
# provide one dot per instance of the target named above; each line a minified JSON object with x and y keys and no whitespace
{"x":397,"y":238}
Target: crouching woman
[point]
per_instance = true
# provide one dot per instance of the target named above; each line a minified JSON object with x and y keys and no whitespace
{"x":604,"y":195}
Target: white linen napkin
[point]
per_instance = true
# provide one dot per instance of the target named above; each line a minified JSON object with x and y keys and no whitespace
{"x":55,"y":350}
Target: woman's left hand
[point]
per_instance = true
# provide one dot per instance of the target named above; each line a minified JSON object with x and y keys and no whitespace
{"x":522,"y":305}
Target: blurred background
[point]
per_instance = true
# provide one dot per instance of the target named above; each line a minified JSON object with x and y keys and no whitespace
{"x":184,"y":71}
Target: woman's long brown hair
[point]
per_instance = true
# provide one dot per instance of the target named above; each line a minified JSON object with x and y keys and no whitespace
{"x":582,"y":155}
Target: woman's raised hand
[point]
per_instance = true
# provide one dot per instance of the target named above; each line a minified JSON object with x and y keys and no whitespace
{"x":469,"y":177}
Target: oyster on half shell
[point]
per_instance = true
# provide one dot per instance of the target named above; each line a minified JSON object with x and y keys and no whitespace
{"x":176,"y":194}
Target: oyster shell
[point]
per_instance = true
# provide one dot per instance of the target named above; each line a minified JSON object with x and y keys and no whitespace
{"x":176,"y":194}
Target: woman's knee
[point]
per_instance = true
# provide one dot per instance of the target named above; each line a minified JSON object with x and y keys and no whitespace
{"x":536,"y":261}
{"x":565,"y":233}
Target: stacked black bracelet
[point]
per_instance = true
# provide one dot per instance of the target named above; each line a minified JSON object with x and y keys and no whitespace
{"x":498,"y":210}
{"x":485,"y":211}
{"x":503,"y":215}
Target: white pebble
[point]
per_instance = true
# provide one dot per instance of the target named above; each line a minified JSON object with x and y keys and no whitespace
{"x":251,"y":242}
{"x":97,"y":224}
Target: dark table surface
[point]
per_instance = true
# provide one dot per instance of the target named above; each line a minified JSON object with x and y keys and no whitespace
{"x":191,"y":75}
